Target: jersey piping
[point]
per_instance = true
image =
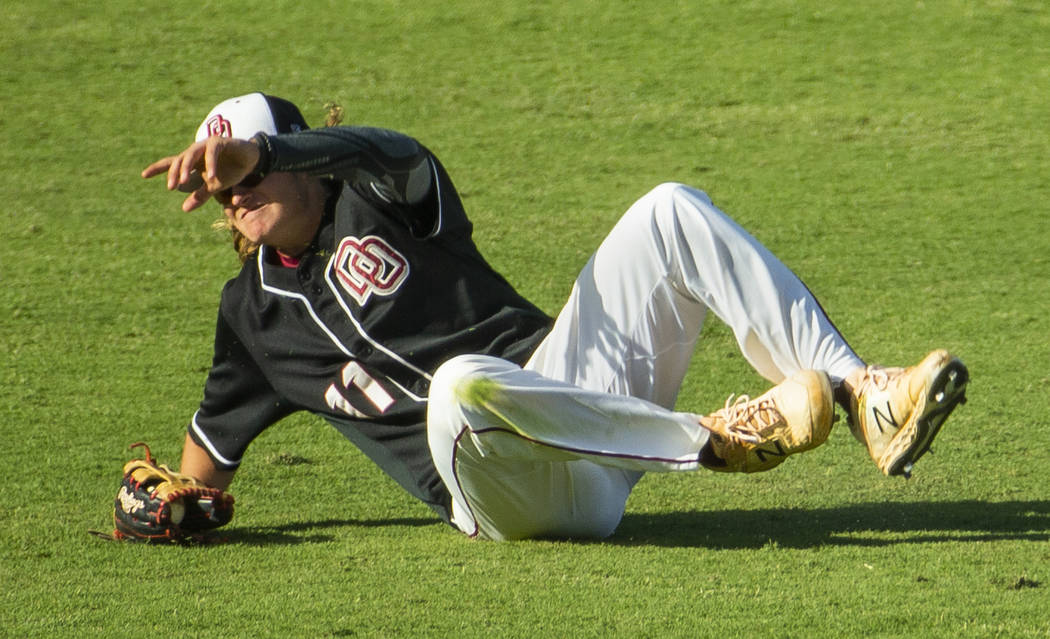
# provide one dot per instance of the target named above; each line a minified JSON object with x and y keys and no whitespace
{"x":360,"y":329}
{"x":301,"y":298}
{"x":329,"y":267}
{"x":207,"y":443}
{"x":346,"y":310}
{"x":436,"y":180}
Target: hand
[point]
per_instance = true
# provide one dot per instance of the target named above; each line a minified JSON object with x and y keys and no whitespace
{"x":217,"y":163}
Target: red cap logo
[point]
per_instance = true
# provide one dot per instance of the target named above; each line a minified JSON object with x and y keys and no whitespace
{"x":218,"y":125}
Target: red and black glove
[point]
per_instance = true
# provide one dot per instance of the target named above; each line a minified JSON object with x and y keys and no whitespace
{"x":157,"y":504}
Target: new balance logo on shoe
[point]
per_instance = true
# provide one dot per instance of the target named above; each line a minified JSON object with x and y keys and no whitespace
{"x":764,"y":454}
{"x":882,"y":420}
{"x":896,"y":412}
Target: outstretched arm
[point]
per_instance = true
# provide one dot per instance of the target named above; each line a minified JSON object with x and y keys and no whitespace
{"x":383,"y":163}
{"x":380,"y":162}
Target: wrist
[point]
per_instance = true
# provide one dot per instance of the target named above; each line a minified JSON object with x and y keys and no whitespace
{"x":262,"y":142}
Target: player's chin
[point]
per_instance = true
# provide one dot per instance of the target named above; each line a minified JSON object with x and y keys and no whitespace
{"x":254,"y":231}
{"x":253,"y":224}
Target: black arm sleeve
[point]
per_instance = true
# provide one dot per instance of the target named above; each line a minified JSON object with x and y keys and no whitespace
{"x":378,"y":162}
{"x":238,"y":403}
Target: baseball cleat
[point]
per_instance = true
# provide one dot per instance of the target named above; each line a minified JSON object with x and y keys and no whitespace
{"x":754,"y":435}
{"x":896,"y":412}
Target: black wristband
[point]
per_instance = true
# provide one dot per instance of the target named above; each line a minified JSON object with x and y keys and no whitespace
{"x":262,"y":167}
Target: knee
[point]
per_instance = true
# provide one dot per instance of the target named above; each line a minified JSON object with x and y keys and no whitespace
{"x":459,"y":380}
{"x":673,"y":203}
{"x":678,"y":209}
{"x":676,"y":191}
{"x":445,"y":418}
{"x":667,"y":189}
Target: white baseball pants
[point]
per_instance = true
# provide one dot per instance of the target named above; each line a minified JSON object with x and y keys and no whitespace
{"x":556,"y":447}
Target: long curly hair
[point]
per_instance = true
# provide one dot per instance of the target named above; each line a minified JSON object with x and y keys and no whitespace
{"x":242,"y":245}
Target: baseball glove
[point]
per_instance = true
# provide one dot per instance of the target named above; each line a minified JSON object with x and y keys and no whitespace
{"x":157,"y":504}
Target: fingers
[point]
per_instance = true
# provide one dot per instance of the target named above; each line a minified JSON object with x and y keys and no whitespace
{"x":206,"y":167}
{"x":178,"y":167}
{"x":196,"y":199}
{"x":211,"y":161}
{"x":189,"y":171}
{"x":158,"y":167}
{"x":195,"y":182}
{"x":189,"y":160}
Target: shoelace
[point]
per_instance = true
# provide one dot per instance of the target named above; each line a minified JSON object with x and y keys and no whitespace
{"x":877,"y":376}
{"x":874,"y":376}
{"x":745,"y":420}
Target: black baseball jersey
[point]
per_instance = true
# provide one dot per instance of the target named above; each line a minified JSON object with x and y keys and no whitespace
{"x":392,"y":286}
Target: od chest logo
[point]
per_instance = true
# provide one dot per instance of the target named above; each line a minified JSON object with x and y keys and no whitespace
{"x":369,"y":266}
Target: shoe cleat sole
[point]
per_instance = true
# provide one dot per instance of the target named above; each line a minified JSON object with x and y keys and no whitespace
{"x":947,"y":391}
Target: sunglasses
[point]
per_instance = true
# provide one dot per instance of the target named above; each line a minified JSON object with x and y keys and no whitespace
{"x":196,"y":181}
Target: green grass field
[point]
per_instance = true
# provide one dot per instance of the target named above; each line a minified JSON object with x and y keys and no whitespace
{"x":893,"y":152}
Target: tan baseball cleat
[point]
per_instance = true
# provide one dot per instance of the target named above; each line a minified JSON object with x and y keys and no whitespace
{"x":896,"y":412}
{"x":754,"y":435}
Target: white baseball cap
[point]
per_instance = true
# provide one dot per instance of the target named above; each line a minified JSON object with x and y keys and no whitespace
{"x":244,"y":116}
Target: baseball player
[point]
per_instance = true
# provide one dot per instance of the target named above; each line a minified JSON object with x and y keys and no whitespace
{"x":363,"y":299}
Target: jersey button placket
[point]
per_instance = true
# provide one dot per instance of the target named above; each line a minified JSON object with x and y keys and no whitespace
{"x":306,"y":276}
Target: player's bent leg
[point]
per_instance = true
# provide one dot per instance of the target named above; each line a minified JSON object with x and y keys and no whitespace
{"x":637,"y":307}
{"x":502,"y":486}
{"x":513,"y":412}
{"x":525,"y":456}
{"x":508,"y":499}
{"x":754,"y":435}
{"x":897,"y":412}
{"x":778,"y":323}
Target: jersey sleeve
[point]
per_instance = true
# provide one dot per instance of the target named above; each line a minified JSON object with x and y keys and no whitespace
{"x":387,"y":167}
{"x":238,"y":404}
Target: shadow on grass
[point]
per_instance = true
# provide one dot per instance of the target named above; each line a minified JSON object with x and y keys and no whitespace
{"x":307,"y":532}
{"x":869,"y":524}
